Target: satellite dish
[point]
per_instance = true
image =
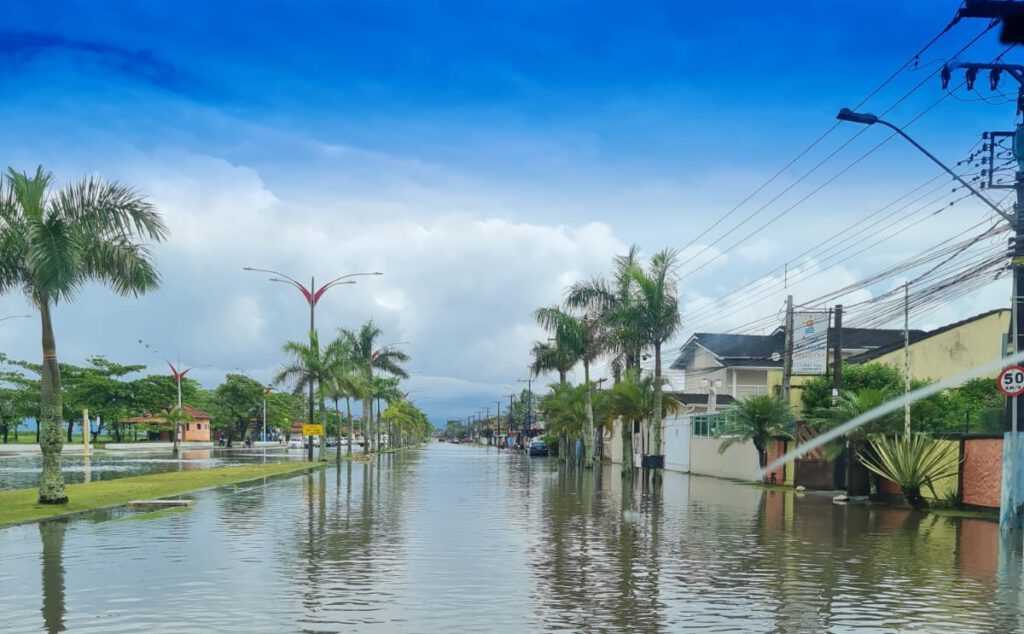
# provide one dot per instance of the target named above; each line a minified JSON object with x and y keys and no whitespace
{"x":776,"y":356}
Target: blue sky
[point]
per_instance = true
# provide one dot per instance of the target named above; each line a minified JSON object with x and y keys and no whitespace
{"x":482,"y":155}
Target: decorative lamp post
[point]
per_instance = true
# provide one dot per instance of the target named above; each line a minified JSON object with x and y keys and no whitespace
{"x":312,"y":295}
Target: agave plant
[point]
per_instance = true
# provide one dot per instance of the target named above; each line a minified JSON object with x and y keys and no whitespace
{"x":912,"y":463}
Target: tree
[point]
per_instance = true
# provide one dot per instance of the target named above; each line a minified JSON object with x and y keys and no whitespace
{"x":653,"y":315}
{"x":758,"y":419}
{"x":548,"y":357}
{"x":607,"y":300}
{"x":582,"y":339}
{"x":236,"y":402}
{"x":100,"y":388}
{"x":632,"y":400}
{"x":51,"y":244}
{"x":363,"y":343}
{"x":310,"y":367}
{"x":455,"y":429}
{"x":564,"y":408}
{"x":175,"y":418}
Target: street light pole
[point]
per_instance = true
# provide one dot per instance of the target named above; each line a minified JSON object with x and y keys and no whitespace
{"x":1010,"y":506}
{"x":312,"y":295}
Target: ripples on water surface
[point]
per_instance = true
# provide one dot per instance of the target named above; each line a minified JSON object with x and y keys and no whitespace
{"x":464,"y":539}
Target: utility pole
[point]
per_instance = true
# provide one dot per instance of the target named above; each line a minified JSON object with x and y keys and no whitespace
{"x":837,"y":355}
{"x":1010,"y":515}
{"x":787,"y":362}
{"x":529,"y":408}
{"x":511,"y":397}
{"x":906,"y":359}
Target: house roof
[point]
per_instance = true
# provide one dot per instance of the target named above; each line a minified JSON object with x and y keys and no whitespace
{"x":918,"y":335}
{"x":765,"y":351}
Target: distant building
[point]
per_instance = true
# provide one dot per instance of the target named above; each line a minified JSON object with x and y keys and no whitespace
{"x":196,"y":430}
{"x":739,"y":366}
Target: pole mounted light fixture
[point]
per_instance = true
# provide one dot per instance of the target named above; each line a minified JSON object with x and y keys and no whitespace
{"x":312,"y":295}
{"x":866,"y":118}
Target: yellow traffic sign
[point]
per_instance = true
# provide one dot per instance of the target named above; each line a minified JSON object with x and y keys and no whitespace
{"x":312,"y":430}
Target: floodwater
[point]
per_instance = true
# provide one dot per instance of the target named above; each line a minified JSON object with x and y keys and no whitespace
{"x":466,"y":539}
{"x":22,"y":471}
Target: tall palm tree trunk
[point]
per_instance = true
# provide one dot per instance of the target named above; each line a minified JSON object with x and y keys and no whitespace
{"x":51,"y":483}
{"x":656,"y":438}
{"x":337,"y":414}
{"x":351,"y":432}
{"x":367,"y":420}
{"x":626,"y":429}
{"x":588,"y":425}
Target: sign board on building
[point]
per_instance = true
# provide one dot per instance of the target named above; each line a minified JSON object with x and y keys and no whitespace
{"x":312,"y":430}
{"x":810,"y":343}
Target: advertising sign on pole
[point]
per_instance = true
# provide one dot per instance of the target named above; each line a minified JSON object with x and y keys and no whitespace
{"x":810,"y":343}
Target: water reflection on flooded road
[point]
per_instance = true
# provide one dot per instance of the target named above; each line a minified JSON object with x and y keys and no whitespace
{"x":457,"y":538}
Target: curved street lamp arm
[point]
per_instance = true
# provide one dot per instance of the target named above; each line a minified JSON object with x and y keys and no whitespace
{"x":1007,"y":217}
{"x":338,"y":280}
{"x":302,"y":289}
{"x":866,"y":118}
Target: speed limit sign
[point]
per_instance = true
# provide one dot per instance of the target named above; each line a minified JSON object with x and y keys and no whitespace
{"x":1011,"y":380}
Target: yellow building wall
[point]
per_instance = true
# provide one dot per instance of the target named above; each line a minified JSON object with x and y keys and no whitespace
{"x":946,"y":487}
{"x":954,"y":351}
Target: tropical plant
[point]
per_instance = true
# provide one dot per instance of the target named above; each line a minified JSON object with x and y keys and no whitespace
{"x":911,"y":462}
{"x":609,"y":301}
{"x":564,"y":408}
{"x":632,"y":400}
{"x":757,"y":419}
{"x":654,"y":316}
{"x":310,"y":368}
{"x":581,"y":338}
{"x":368,"y":357}
{"x":550,"y":356}
{"x":175,"y":418}
{"x":51,"y":244}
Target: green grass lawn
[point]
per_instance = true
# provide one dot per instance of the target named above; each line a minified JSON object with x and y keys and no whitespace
{"x":17,"y":507}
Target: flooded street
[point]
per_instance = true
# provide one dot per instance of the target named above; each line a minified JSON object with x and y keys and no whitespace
{"x":20,"y":472}
{"x":460,"y":538}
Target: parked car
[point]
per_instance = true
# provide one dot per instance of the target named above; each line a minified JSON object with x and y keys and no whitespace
{"x":295,"y":442}
{"x":538,"y":448}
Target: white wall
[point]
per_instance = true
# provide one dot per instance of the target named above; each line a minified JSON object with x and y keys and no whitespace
{"x":738,"y":462}
{"x":676,"y":440}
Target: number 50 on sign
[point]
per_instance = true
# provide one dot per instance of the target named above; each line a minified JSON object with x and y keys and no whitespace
{"x":1011,"y":380}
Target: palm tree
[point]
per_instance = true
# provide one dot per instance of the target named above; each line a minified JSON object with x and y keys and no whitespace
{"x":632,"y":400}
{"x":607,"y":300}
{"x":385,"y":389}
{"x":344,"y":383}
{"x":654,"y":315}
{"x":310,"y":367}
{"x":51,"y":244}
{"x":758,"y":419}
{"x":547,"y":356}
{"x":564,"y":409}
{"x":176,"y":417}
{"x":580,"y":338}
{"x":850,"y":405}
{"x":386,"y":359}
